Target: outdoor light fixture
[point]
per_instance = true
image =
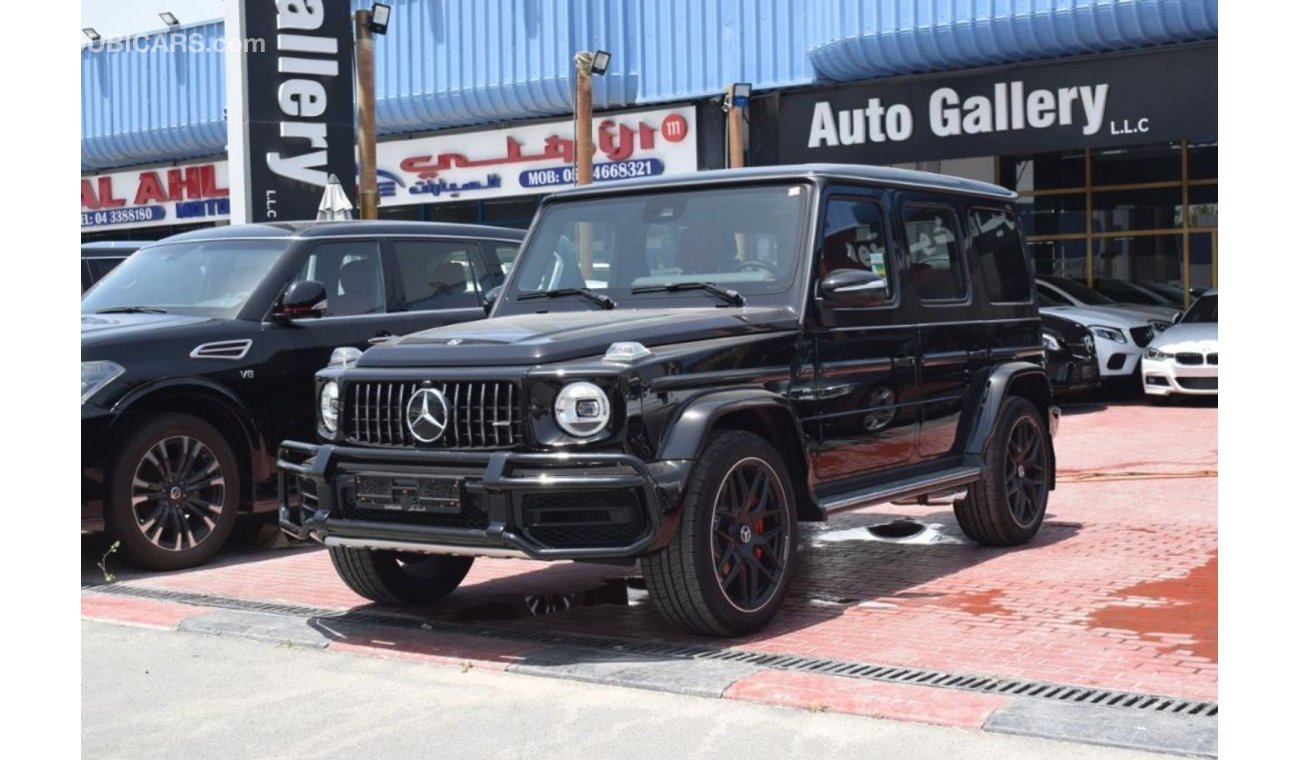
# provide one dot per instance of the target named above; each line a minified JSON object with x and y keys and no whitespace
{"x":91,"y":34}
{"x":169,"y":19}
{"x":599,"y":62}
{"x":379,"y":18}
{"x":739,"y":95}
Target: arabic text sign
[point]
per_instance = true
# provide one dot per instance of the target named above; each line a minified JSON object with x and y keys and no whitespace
{"x":535,"y":158}
{"x":150,"y":197}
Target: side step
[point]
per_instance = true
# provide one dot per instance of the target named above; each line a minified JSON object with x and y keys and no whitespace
{"x":943,"y":480}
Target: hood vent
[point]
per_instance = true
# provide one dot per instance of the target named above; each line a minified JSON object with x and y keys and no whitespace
{"x":233,"y":350}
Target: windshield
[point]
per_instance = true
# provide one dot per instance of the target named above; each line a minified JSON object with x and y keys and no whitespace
{"x":1206,"y":309}
{"x":635,"y":248}
{"x":1079,"y":292}
{"x":211,"y":278}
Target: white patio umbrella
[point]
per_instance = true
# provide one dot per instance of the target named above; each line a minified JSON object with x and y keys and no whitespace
{"x":334,"y":204}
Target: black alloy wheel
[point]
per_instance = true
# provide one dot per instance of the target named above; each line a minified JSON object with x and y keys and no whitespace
{"x":751,"y":534}
{"x":732,"y":557}
{"x":1006,"y":507}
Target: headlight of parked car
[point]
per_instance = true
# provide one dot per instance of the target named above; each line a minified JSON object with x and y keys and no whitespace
{"x":329,"y":406}
{"x":1051,"y":343}
{"x":1109,"y":333}
{"x":582,"y":409}
{"x":1156,"y":354}
{"x":96,"y":375}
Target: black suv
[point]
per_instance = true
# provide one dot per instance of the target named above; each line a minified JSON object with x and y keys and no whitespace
{"x":100,"y":258}
{"x":681,"y":370}
{"x":197,"y":357}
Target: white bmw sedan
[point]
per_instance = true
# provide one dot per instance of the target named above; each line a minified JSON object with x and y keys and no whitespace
{"x":1185,"y":358}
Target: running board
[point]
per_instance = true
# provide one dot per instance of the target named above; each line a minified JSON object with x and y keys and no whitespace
{"x":943,"y":480}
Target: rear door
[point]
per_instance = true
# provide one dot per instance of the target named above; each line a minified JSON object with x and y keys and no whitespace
{"x":864,"y":395}
{"x":439,"y":281}
{"x":952,"y":340}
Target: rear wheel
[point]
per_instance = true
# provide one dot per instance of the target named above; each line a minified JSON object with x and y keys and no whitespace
{"x":728,"y":568}
{"x":173,"y":493}
{"x":392,"y":577}
{"x":1006,"y":507}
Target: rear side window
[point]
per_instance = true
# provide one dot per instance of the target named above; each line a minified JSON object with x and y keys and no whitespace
{"x":437,"y":274}
{"x":999,"y":255}
{"x":933,"y":253}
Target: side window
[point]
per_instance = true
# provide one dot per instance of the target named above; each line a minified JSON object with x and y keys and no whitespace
{"x":352,"y":275}
{"x":853,"y":237}
{"x":437,"y":274}
{"x":505,"y":254}
{"x":933,"y":253}
{"x":999,"y":255}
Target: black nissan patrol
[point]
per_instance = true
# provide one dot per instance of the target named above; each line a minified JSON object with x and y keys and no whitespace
{"x":197,"y":357}
{"x":680,"y":371}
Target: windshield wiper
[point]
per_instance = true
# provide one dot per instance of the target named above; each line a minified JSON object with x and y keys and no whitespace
{"x":727,"y":294}
{"x":601,"y":300}
{"x":131,"y":310}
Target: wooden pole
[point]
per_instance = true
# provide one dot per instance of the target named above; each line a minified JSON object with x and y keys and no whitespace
{"x":366,"y":115}
{"x":735,"y":131}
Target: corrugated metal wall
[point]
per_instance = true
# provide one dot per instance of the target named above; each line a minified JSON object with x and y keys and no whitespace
{"x":149,"y":104}
{"x":447,"y":63}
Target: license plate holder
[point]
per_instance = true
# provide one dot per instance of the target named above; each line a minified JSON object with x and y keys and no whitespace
{"x":402,"y":493}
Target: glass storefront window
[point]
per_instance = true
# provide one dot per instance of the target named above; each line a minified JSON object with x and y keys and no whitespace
{"x":1201,"y":260}
{"x":1203,"y":161}
{"x":1051,"y":214}
{"x":1203,"y":206}
{"x":1063,"y":258}
{"x":1132,"y":166}
{"x":1046,"y":171}
{"x":1154,"y":258}
{"x":1145,"y":209}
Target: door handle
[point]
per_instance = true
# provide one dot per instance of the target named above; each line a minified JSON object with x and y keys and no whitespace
{"x":381,"y":338}
{"x":904,"y":362}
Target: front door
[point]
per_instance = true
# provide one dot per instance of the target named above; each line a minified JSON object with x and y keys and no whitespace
{"x":356,"y":314}
{"x":865,"y":390}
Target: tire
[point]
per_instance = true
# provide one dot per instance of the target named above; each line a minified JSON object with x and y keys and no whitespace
{"x":727,"y":570}
{"x":1006,"y":507}
{"x":399,"y":578}
{"x":173,"y":493}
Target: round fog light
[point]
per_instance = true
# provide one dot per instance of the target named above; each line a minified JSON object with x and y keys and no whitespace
{"x":329,"y":406}
{"x":582,"y":409}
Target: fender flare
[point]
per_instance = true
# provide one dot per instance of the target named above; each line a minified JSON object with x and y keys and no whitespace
{"x":1029,"y":381}
{"x":233,"y":405}
{"x":684,"y":437}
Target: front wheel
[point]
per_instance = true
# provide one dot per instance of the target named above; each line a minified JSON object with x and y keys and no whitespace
{"x":1006,"y":507}
{"x":728,"y":568}
{"x":391,"y":577}
{"x":173,"y":492}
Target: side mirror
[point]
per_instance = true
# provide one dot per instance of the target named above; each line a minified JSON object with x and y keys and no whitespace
{"x":490,"y":299}
{"x":854,"y":288}
{"x":303,"y":298}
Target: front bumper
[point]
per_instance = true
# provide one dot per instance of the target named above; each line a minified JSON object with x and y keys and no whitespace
{"x":1166,"y":377}
{"x":1073,"y":374}
{"x":95,"y":425}
{"x":536,"y":505}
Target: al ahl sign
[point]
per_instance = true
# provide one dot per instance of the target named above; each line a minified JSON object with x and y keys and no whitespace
{"x":184,"y":194}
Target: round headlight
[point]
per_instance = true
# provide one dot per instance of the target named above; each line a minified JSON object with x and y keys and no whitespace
{"x":329,"y":406}
{"x":582,"y":409}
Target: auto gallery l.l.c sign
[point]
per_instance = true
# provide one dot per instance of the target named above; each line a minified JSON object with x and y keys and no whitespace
{"x":1098,"y":101}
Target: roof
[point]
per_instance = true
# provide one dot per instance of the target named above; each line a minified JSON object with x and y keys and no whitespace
{"x":377,"y":227}
{"x":882,"y":176}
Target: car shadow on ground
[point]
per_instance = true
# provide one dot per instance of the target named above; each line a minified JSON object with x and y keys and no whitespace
{"x":881,"y":558}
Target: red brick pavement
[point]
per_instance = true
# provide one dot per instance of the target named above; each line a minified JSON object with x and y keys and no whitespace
{"x":1118,"y":590}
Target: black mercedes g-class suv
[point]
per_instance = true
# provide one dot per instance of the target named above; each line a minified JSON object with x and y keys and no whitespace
{"x":197,"y":357}
{"x":679,"y":371}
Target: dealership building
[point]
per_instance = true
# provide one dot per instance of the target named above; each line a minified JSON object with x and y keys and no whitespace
{"x":1102,"y":114}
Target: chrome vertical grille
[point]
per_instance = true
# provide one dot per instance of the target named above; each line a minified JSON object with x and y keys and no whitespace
{"x":481,"y":414}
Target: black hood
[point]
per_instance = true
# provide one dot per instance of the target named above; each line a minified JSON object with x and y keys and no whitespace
{"x":524,"y":339}
{"x":100,"y":328}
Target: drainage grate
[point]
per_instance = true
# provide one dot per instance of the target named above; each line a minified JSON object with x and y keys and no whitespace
{"x":965,"y":682}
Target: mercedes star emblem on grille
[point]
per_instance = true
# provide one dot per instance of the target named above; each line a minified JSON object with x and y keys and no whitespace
{"x":426,"y":415}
